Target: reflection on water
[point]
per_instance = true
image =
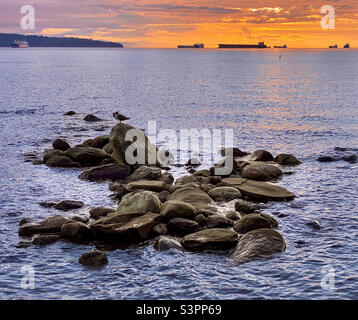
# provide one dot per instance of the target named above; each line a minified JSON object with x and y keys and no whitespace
{"x":303,"y":104}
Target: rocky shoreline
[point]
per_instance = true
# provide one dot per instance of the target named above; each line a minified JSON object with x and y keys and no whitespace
{"x":154,"y":208}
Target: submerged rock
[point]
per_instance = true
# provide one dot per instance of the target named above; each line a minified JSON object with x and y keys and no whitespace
{"x":108,"y":172}
{"x":258,"y":244}
{"x":210,"y":239}
{"x":93,"y":259}
{"x":254,"y":221}
{"x":197,"y":197}
{"x":49,"y":225}
{"x":287,"y":160}
{"x":66,"y":205}
{"x":261,"y":155}
{"x":127,"y":227}
{"x":98,"y":142}
{"x":261,"y":172}
{"x":326,"y":159}
{"x":235,"y":152}
{"x":69,"y":113}
{"x":225,"y":194}
{"x":45,"y":239}
{"x":177,"y":209}
{"x":92,"y":118}
{"x":144,"y":201}
{"x":352,"y":158}
{"x":166,"y":243}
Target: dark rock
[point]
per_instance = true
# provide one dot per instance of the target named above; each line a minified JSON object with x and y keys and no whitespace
{"x":352,"y":158}
{"x":254,"y":221}
{"x":207,"y":187}
{"x":161,"y":229}
{"x":177,"y":209}
{"x":76,"y":231}
{"x":163,"y":196}
{"x":235,"y":152}
{"x":46,"y":204}
{"x":50,"y":153}
{"x":166,"y":243}
{"x":91,"y":118}
{"x":258,"y":244}
{"x":202,"y":173}
{"x":62,"y":162}
{"x":261,"y":155}
{"x":99,"y":212}
{"x":80,"y":219}
{"x":225,"y":194}
{"x":66,"y":205}
{"x":86,"y":156}
{"x":219,"y":221}
{"x":246,"y":207}
{"x":49,"y":225}
{"x":167,"y":178}
{"x":314,"y":224}
{"x":233,"y":215}
{"x":261,"y":172}
{"x":207,"y":212}
{"x":69,"y":113}
{"x":37,"y":162}
{"x":186,"y":179}
{"x":144,"y":201}
{"x":45,"y":239}
{"x":150,"y":185}
{"x":326,"y":159}
{"x":287,"y":160}
{"x":23,"y":244}
{"x":98,"y":142}
{"x":182,"y":226}
{"x":24,"y":221}
{"x":109,"y":172}
{"x":200,"y":219}
{"x":60,"y":144}
{"x":197,"y":197}
{"x":145,"y":173}
{"x":93,"y":259}
{"x":210,"y":239}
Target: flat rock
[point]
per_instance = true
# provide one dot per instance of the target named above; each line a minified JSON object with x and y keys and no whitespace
{"x":197,"y":197}
{"x":49,"y":225}
{"x":93,"y":259}
{"x":225,"y":194}
{"x":261,"y":172}
{"x":145,"y":173}
{"x":219,"y":221}
{"x":150,"y":185}
{"x":166,"y":243}
{"x":99,"y":212}
{"x":109,"y":172}
{"x":66,"y":205}
{"x":144,"y":201}
{"x":257,"y":244}
{"x":210,"y":239}
{"x":86,"y":156}
{"x":177,"y":209}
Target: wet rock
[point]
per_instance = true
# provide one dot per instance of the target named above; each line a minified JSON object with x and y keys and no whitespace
{"x":261,"y":155}
{"x":86,"y":156}
{"x":258,"y":244}
{"x":24,"y":221}
{"x":259,"y":191}
{"x":145,"y":173}
{"x":93,"y":259}
{"x":207,"y":212}
{"x":167,"y":178}
{"x":76,"y":231}
{"x":254,"y":221}
{"x":108,"y":148}
{"x":207,"y":187}
{"x":326,"y":159}
{"x":99,"y":212}
{"x":186,"y":185}
{"x":47,"y":204}
{"x":60,"y":144}
{"x":150,"y":185}
{"x":182,"y":226}
{"x":186,"y":179}
{"x":50,"y":153}
{"x":98,"y":142}
{"x":166,"y":243}
{"x":127,"y":227}
{"x":144,"y":201}
{"x":62,"y":162}
{"x":314,"y":224}
{"x":161,"y":229}
{"x":37,"y":162}
{"x":235,"y":152}
{"x":109,"y":172}
{"x":287,"y":160}
{"x":200,"y":219}
{"x":120,"y":145}
{"x":91,"y":118}
{"x":219,"y":221}
{"x":193,"y":162}
{"x":225,"y":194}
{"x":261,"y":172}
{"x":197,"y":197}
{"x":23,"y":244}
{"x":352,"y":158}
{"x":80,"y":219}
{"x":45,"y":239}
{"x":66,"y":205}
{"x":210,"y":239}
{"x":202,"y":173}
{"x":177,"y":209}
{"x":119,"y":190}
{"x":69,"y":113}
{"x":233,"y":215}
{"x":246,"y":207}
{"x":49,"y":225}
{"x":163,"y":196}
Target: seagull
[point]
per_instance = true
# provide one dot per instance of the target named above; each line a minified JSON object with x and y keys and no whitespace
{"x":120,"y":117}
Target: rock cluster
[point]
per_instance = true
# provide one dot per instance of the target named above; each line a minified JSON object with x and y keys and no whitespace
{"x":181,"y":214}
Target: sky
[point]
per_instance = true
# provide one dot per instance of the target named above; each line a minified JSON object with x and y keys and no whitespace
{"x":167,"y":23}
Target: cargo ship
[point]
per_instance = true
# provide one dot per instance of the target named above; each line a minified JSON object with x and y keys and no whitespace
{"x":333,"y":47}
{"x":347,"y":46}
{"x":195,"y":46}
{"x":260,"y":45}
{"x":19,"y":44}
{"x":281,"y":47}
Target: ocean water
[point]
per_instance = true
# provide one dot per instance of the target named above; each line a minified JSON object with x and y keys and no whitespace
{"x":304,"y":103}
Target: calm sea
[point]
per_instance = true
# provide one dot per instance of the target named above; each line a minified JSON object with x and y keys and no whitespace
{"x":304,"y":103}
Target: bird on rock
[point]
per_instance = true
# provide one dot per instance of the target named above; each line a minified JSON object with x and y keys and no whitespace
{"x":120,"y":117}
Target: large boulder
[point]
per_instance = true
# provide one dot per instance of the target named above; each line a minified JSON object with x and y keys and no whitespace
{"x":287,"y":160}
{"x":261,"y":172}
{"x":182,"y":226}
{"x":49,"y":225}
{"x":94,"y":259}
{"x":127,"y":227}
{"x":259,"y":191}
{"x":150,"y":185}
{"x":98,"y":142}
{"x":254,"y":221}
{"x":219,"y":221}
{"x":145,"y":173}
{"x":210,"y":239}
{"x":258,"y":244}
{"x":144,"y":201}
{"x":225,"y":194}
{"x":57,"y":161}
{"x":166,"y":243}
{"x":261,"y":155}
{"x":109,"y":172}
{"x":141,"y":146}
{"x":197,"y":197}
{"x":60,"y":144}
{"x":177,"y":209}
{"x":86,"y":156}
{"x":76,"y":231}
